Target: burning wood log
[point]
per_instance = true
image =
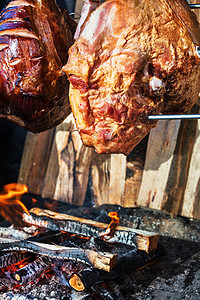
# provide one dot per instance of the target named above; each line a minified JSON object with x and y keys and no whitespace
{"x":13,"y":233}
{"x":32,"y":271}
{"x":11,"y":258}
{"x":127,"y":262}
{"x":141,"y":239}
{"x":103,"y":261}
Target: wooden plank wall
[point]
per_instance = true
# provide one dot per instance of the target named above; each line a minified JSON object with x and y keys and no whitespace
{"x":162,"y":172}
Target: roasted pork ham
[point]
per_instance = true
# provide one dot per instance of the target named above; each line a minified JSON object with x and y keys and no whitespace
{"x":35,"y":36}
{"x":131,"y":60}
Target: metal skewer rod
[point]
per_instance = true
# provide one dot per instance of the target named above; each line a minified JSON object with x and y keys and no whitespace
{"x":193,"y":6}
{"x":175,"y":117}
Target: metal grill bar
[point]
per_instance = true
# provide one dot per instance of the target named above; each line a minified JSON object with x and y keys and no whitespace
{"x":174,"y":117}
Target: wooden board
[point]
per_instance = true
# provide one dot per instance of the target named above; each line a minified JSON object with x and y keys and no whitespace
{"x":133,"y":179}
{"x":108,"y":178}
{"x":66,"y":178}
{"x":161,"y":145}
{"x":191,"y":201}
{"x":78,"y":6}
{"x":35,"y":160}
{"x":59,"y":176}
{"x":178,"y":175}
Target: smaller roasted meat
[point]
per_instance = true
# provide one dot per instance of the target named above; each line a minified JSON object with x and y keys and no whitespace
{"x":35,"y":36}
{"x":132,"y":59}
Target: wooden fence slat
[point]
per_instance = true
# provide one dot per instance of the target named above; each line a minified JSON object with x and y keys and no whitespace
{"x":78,"y":6}
{"x":191,"y":203}
{"x":134,"y":171}
{"x":29,"y":146}
{"x":160,"y":149}
{"x":100,"y":173}
{"x":35,"y":159}
{"x":68,"y":169}
{"x":191,"y":200}
{"x":117,"y":178}
{"x":57,"y":165}
{"x":178,"y":174}
{"x":66,"y":162}
{"x":82,"y":168}
{"x":108,"y":178}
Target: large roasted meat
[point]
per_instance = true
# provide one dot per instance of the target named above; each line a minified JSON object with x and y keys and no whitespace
{"x":132,"y":59}
{"x":35,"y":36}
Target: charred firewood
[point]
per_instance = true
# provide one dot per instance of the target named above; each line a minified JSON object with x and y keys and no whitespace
{"x":11,"y":258}
{"x":3,"y":287}
{"x":97,"y":245}
{"x":127,"y":262}
{"x":32,"y":271}
{"x":104,"y":261}
{"x":13,"y":233}
{"x":50,"y":237}
{"x":143,"y":240}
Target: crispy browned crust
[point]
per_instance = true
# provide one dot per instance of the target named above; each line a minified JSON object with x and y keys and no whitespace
{"x":132,"y":59}
{"x":34,"y":43}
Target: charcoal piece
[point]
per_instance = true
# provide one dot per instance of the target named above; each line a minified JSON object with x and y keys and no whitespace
{"x":74,"y":241}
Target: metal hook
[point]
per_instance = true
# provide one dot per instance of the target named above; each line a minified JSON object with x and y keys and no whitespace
{"x":73,"y":15}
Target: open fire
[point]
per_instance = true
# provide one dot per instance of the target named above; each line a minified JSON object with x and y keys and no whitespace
{"x":79,"y":252}
{"x":11,"y":208}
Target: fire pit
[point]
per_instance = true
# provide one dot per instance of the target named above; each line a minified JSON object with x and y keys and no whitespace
{"x":80,"y":252}
{"x":36,"y":262}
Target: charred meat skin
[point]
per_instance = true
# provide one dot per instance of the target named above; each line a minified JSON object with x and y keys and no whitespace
{"x":35,"y":36}
{"x":132,"y":59}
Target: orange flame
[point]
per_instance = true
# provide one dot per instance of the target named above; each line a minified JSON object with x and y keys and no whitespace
{"x":110,"y":231}
{"x":11,"y":208}
{"x":114,"y":219}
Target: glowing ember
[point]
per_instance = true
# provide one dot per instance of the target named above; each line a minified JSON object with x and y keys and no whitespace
{"x":11,"y":208}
